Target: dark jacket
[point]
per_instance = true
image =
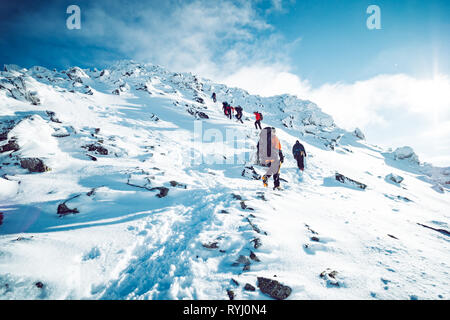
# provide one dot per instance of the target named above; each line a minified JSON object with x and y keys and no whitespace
{"x":298,"y":149}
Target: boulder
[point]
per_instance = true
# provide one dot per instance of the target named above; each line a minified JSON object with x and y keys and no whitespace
{"x":64,"y":210}
{"x":10,"y":146}
{"x":97,"y":149}
{"x":273,"y":288}
{"x":394,"y":178}
{"x":359,"y":134}
{"x":34,"y":165}
{"x":343,"y":179}
{"x":249,"y":287}
{"x":406,"y":153}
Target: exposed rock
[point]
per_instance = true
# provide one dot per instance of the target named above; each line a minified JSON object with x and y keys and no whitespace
{"x":10,"y":146}
{"x":96,"y":148}
{"x":64,"y":210}
{"x":231,"y":294}
{"x":273,"y":288}
{"x":330,"y":277}
{"x":199,"y":100}
{"x":406,"y":153}
{"x":256,"y":243}
{"x":91,"y":157}
{"x":254,"y":227}
{"x":234,"y":282}
{"x":116,"y":92}
{"x":177,"y":184}
{"x":254,"y":257}
{"x":359,"y":134}
{"x":163,"y":191}
{"x":1,"y":218}
{"x":241,"y":260}
{"x":250,"y":172}
{"x":244,"y":206}
{"x":394,"y":178}
{"x":39,"y":284}
{"x":343,"y":179}
{"x":236,"y":196}
{"x":249,"y":287}
{"x":212,"y":245}
{"x":34,"y":165}
{"x":443,"y":231}
{"x":202,"y":115}
{"x":315,"y":239}
{"x":52,"y":115}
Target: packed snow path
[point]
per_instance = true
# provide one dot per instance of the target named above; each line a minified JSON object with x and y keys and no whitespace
{"x":151,"y":222}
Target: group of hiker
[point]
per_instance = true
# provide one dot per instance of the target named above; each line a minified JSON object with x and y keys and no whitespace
{"x":269,"y":147}
{"x":229,"y":111}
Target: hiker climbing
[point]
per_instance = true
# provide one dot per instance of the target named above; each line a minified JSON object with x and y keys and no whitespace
{"x":213,"y":96}
{"x":239,"y":113}
{"x":230,"y":111}
{"x":299,"y":153}
{"x":258,"y":117}
{"x":225,"y":108}
{"x":270,"y":154}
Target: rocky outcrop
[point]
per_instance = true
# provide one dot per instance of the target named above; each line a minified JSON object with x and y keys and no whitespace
{"x":343,"y":179}
{"x":273,"y":288}
{"x":34,"y":165}
{"x":64,"y":210}
{"x":10,"y":146}
{"x":394,"y":178}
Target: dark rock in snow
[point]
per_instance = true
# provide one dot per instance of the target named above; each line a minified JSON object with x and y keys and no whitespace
{"x":236,"y":196}
{"x":315,"y":239}
{"x":250,"y":172}
{"x":10,"y":146}
{"x":231,"y":294}
{"x":343,"y":179}
{"x":177,"y":184}
{"x":330,"y":277}
{"x":64,"y":210}
{"x":202,"y":115}
{"x":97,"y":149}
{"x":212,"y":245}
{"x":394,"y":178}
{"x":249,"y":287}
{"x":199,"y":100}
{"x":34,"y":165}
{"x":234,"y":282}
{"x":273,"y":288}
{"x":1,"y":218}
{"x":254,"y":257}
{"x":163,"y":191}
{"x":443,"y":231}
{"x":39,"y":284}
{"x":52,"y":115}
{"x":256,"y":243}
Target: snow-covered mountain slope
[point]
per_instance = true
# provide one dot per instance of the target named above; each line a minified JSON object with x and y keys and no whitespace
{"x":130,"y":183}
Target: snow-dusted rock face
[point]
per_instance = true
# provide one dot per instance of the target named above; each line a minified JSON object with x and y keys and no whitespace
{"x":133,"y":184}
{"x":406,"y":153}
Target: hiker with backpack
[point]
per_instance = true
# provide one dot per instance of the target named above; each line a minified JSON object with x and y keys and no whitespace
{"x":299,"y":153}
{"x":258,"y":117}
{"x":225,"y":108}
{"x":270,"y":154}
{"x":239,"y":113}
{"x":214,"y":97}
{"x":230,"y":112}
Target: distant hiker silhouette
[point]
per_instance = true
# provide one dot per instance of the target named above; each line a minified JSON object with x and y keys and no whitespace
{"x":258,"y":117}
{"x":299,"y":153}
{"x":239,"y":113}
{"x":214,"y":97}
{"x":270,"y":154}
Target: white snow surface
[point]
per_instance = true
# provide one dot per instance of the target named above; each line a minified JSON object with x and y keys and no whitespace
{"x":125,"y":242}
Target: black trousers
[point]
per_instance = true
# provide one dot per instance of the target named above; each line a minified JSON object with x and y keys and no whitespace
{"x":300,"y":162}
{"x":276,"y":177}
{"x":258,"y":123}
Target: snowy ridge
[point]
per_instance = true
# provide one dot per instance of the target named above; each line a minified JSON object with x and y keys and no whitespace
{"x":105,"y":193}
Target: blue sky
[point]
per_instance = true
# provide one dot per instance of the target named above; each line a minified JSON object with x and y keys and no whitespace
{"x":317,"y":49}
